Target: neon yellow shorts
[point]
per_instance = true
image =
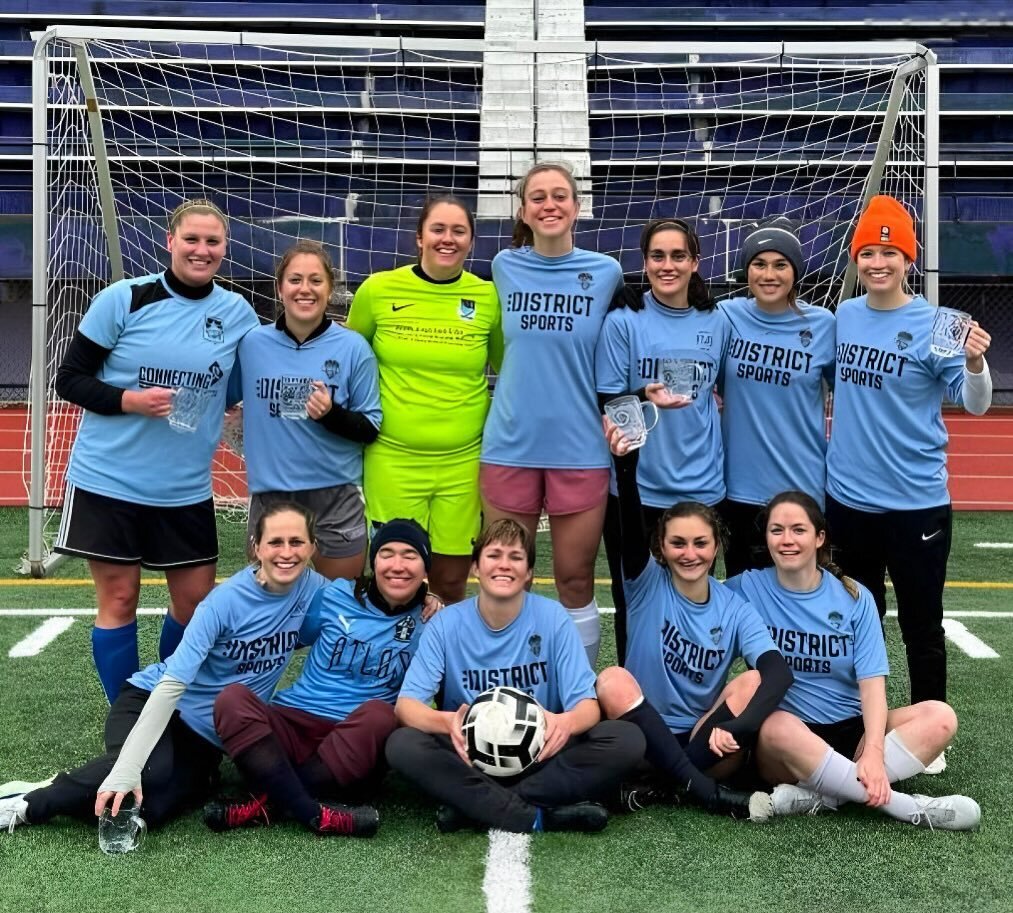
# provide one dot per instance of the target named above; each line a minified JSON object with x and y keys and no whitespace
{"x":440,"y":491}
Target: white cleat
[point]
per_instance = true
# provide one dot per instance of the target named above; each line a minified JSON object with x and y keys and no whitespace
{"x":20,"y":787}
{"x":761,"y":807}
{"x":788,"y":799}
{"x":937,"y":766}
{"x":13,"y":811}
{"x":947,"y":813}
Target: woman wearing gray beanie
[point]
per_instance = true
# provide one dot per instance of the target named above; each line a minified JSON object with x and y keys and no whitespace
{"x":779,"y":360}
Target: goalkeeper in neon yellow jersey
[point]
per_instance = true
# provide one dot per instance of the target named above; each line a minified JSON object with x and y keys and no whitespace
{"x":433,"y":327}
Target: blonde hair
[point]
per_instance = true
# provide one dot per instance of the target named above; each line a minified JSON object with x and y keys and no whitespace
{"x":196,"y":207}
{"x":523,"y":236}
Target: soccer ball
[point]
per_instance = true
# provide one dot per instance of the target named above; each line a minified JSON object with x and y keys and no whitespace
{"x":505,"y":730}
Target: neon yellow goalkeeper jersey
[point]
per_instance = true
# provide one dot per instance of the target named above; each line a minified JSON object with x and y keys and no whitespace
{"x":432,"y":341}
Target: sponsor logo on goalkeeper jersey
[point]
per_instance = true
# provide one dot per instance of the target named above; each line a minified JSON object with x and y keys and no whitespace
{"x":151,"y":376}
{"x":467,"y":309}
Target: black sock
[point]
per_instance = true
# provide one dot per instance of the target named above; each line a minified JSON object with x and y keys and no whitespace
{"x":664,"y":751}
{"x":698,"y":749}
{"x":316,"y":776}
{"x":267,"y":769}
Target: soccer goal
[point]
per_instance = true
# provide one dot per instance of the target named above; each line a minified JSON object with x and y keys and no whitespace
{"x":340,"y":138}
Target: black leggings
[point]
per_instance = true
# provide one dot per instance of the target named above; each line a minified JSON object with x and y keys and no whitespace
{"x":180,"y":772}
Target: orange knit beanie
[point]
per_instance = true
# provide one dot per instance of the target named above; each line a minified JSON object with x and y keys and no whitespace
{"x":885,"y":221}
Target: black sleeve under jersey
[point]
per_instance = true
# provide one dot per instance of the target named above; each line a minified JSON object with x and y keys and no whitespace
{"x":635,"y":549}
{"x":76,"y":381}
{"x":775,"y":680}
{"x":349,"y":424}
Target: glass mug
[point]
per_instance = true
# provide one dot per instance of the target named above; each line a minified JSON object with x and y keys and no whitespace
{"x":627,"y":414}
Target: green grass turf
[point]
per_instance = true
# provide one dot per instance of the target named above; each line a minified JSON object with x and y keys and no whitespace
{"x":853,"y":861}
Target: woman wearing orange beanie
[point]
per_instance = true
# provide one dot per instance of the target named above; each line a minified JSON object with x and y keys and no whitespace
{"x":887,"y":501}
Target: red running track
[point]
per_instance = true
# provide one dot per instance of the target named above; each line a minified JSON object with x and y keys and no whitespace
{"x":980,"y":463}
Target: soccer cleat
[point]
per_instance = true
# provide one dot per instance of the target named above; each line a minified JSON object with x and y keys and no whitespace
{"x":13,"y":811}
{"x":226,"y":816}
{"x":634,"y":797}
{"x":588,"y":817}
{"x":945,"y":813}
{"x":937,"y":766}
{"x":346,"y":820}
{"x":449,"y":820}
{"x":756,"y":806}
{"x":22,"y":787}
{"x":789,"y":799}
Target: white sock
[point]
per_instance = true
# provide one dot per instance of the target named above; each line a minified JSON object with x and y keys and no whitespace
{"x":588,"y":623}
{"x":900,"y":763}
{"x":837,"y":777}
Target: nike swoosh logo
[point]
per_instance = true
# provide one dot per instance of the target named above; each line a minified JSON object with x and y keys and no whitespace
{"x":401,"y":307}
{"x":345,"y":623}
{"x":930,"y":535}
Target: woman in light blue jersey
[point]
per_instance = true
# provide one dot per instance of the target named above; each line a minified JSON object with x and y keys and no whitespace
{"x":685,"y":631}
{"x":887,"y":502}
{"x":542,"y":448}
{"x":160,"y":738}
{"x":324,"y":735}
{"x":150,"y":365}
{"x":833,"y":734}
{"x":676,"y":320}
{"x":311,"y":403}
{"x":776,"y":371}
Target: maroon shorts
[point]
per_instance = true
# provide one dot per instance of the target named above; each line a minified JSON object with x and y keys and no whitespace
{"x":525,"y":491}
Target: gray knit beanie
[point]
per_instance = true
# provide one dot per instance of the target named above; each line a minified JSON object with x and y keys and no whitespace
{"x":777,"y":235}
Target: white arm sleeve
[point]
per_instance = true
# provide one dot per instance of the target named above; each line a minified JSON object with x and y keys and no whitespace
{"x":977,"y":392}
{"x":126,"y":773}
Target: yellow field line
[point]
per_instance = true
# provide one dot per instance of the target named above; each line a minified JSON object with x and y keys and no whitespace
{"x":541,"y":581}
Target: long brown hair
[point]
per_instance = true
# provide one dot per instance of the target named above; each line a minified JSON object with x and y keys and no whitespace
{"x":688,"y":509}
{"x":697,"y":294}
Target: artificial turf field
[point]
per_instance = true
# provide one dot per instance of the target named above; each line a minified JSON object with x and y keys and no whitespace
{"x":52,"y":710}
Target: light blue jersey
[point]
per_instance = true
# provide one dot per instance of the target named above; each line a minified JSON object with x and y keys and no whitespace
{"x":241,"y":634}
{"x":290,"y":455}
{"x":158,"y":338}
{"x":888,"y":441}
{"x":681,"y":652}
{"x":829,"y":640}
{"x":773,"y":421}
{"x":539,"y":652}
{"x":545,"y":410}
{"x":682,"y":459}
{"x":359,"y":654}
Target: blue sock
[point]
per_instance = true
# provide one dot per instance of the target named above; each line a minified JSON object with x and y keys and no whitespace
{"x":115,"y":653}
{"x":172,"y":634}
{"x":537,"y":826}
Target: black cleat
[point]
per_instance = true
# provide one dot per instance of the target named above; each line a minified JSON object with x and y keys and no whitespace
{"x":588,"y":817}
{"x":228,"y":814}
{"x":449,"y":820}
{"x":346,"y":820}
{"x":633,"y":797}
{"x":756,"y":806}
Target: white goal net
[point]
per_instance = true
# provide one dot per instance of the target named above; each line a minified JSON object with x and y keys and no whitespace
{"x":339,"y":140}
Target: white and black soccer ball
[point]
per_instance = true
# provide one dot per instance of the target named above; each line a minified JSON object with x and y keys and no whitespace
{"x":504,"y":729}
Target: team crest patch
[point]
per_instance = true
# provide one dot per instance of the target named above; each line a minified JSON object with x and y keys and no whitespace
{"x":903,"y":340}
{"x":835,"y":619}
{"x":214,"y":329}
{"x":535,"y":643}
{"x":585,"y":280}
{"x":467,"y":309}
{"x":805,"y":337}
{"x":404,"y":629}
{"x":704,"y":340}
{"x":331,"y":367}
{"x":884,"y":234}
{"x":716,"y":634}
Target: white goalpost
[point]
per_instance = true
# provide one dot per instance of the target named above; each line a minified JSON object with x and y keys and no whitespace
{"x":340,"y":138}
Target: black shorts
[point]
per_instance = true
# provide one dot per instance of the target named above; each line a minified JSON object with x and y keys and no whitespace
{"x":101,"y":528}
{"x":842,"y":736}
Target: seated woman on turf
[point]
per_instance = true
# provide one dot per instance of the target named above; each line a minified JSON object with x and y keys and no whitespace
{"x":324,"y":735}
{"x":463,"y":652}
{"x":685,"y":631}
{"x":160,"y":739}
{"x":834,"y":735}
{"x":318,"y":462}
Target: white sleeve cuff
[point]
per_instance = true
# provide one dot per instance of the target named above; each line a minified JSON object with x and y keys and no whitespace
{"x":977,"y":393}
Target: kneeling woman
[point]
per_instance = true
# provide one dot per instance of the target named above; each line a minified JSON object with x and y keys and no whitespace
{"x":160,"y":739}
{"x":834,"y":735}
{"x":324,"y":736}
{"x":467,"y":648}
{"x":685,"y":631}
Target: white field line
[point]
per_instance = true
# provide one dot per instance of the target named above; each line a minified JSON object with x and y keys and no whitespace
{"x":971,"y":645}
{"x":507,"y":882}
{"x":993,"y":544}
{"x":41,"y":637}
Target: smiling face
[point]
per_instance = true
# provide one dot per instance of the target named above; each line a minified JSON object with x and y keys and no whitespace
{"x":304,"y":290}
{"x":669,"y":266}
{"x":502,"y":569}
{"x":689,"y":548}
{"x":550,"y":207}
{"x":444,"y":241}
{"x":196,"y":248}
{"x":771,"y":278}
{"x":881,"y":269}
{"x":792,"y":538}
{"x":399,"y":571}
{"x":283,"y":550}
